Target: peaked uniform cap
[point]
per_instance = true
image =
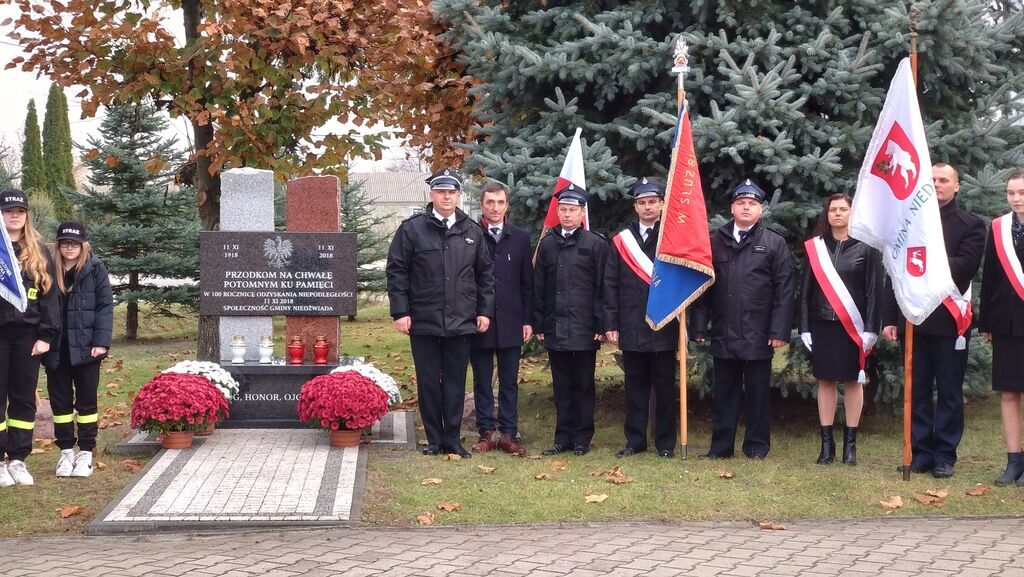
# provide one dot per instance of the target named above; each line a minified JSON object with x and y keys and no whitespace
{"x":572,"y":194}
{"x":645,"y":187}
{"x":445,"y":179}
{"x":748,"y":189}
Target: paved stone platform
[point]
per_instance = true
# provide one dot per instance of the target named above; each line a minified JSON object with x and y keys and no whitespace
{"x":882,"y":547}
{"x":242,"y":478}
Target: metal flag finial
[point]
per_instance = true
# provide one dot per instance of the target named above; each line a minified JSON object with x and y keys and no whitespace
{"x":680,"y":60}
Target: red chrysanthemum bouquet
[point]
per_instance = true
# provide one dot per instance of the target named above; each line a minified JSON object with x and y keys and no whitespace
{"x":345,"y":400}
{"x":177,"y":402}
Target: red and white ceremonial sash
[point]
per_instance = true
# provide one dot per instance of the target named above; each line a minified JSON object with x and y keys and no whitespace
{"x":835,"y":291}
{"x":633,"y":255}
{"x":959,"y":305}
{"x":1001,"y":232}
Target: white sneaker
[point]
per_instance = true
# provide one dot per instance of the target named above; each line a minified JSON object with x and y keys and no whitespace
{"x":20,"y":473}
{"x":66,"y":463}
{"x":6,"y":480}
{"x":83,"y":464}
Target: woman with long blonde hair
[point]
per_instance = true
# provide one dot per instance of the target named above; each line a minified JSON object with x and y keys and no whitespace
{"x":24,"y":338}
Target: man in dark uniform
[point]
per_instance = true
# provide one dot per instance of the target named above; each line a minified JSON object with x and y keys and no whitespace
{"x":940,"y":349}
{"x":750,"y":308}
{"x":441,"y":289}
{"x":567,"y":311}
{"x":648,"y":357}
{"x":509,"y":246}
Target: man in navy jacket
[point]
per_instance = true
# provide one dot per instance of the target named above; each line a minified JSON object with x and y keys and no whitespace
{"x":509,"y":246}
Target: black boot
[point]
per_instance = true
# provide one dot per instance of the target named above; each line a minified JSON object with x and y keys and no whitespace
{"x":850,"y":445}
{"x":1014,"y":469}
{"x":828,"y":446}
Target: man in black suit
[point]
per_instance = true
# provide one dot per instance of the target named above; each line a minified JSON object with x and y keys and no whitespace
{"x":940,"y":343}
{"x":648,"y":357}
{"x":509,"y":246}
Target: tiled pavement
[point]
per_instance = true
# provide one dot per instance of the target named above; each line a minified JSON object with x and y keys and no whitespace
{"x":889,"y":547}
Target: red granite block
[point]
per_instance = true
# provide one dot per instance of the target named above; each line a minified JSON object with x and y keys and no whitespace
{"x":309,"y":328}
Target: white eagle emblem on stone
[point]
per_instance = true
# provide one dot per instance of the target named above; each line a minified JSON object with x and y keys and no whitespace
{"x":277,"y":251}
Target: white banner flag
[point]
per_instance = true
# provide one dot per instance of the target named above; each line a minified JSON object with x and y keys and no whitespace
{"x":895,"y":208}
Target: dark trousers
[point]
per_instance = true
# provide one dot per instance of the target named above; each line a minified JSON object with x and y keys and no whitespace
{"x":737,"y":380}
{"x":441,"y":364}
{"x":936,"y":426}
{"x":508,"y":388}
{"x":646,"y":372}
{"x":572,"y":378}
{"x":19,"y":374}
{"x":73,"y":389}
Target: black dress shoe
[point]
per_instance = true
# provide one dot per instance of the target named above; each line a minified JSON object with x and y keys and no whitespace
{"x":666,"y":453}
{"x":628,"y":452}
{"x":713,"y":457}
{"x":757,"y":456}
{"x":916,"y":468}
{"x":555,"y":449}
{"x":942,"y":471}
{"x":580,"y":450}
{"x":431,"y":450}
{"x":458,"y":450}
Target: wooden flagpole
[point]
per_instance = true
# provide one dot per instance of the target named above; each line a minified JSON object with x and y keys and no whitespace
{"x":680,"y":66}
{"x":908,"y":341}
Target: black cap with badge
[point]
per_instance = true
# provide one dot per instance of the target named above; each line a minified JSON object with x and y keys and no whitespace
{"x":645,"y":187}
{"x":747,"y":189}
{"x":71,"y":230}
{"x":13,"y":198}
{"x":572,"y":194}
{"x":445,"y":179}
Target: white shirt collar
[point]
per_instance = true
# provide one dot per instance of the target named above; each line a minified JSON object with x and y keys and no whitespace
{"x":736,"y":230}
{"x":569,"y":232}
{"x":451,"y":217}
{"x":500,"y":226}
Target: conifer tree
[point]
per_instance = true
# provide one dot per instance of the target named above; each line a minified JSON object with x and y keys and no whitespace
{"x":371,"y":243}
{"x":140,"y":227}
{"x":33,"y":176}
{"x":57,"y":158}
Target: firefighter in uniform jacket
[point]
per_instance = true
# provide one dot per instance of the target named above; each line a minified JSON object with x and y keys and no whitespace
{"x":441,"y":291}
{"x":567,"y":317}
{"x":648,"y":357}
{"x":750,"y":308}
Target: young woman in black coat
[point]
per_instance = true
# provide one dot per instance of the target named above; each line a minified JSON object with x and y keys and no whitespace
{"x":73,"y":371}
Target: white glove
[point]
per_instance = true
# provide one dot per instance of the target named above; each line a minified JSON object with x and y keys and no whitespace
{"x":806,"y":338}
{"x":869,"y":340}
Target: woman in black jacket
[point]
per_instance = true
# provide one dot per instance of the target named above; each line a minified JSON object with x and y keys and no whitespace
{"x":25,"y":335}
{"x":839,"y":319}
{"x":1002,"y":320}
{"x":73,"y":371}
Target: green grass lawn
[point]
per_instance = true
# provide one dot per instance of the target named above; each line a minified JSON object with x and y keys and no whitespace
{"x":786,"y":486}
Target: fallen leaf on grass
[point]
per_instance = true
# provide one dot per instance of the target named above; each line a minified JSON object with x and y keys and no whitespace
{"x":44,"y":443}
{"x":453,"y":457}
{"x":100,"y":465}
{"x":595,"y":498}
{"x":771,"y":526}
{"x":426,"y":519}
{"x":449,"y":506}
{"x":486,"y":470}
{"x":928,"y":499}
{"x":430,"y":481}
{"x":559,"y":465}
{"x":618,"y":479}
{"x":725,"y":474}
{"x":938,"y":493}
{"x":37,"y":451}
{"x":978,"y":491}
{"x":113,"y":385}
{"x":894,"y":502}
{"x":131,"y":465}
{"x":543,"y":477}
{"x":70,"y":511}
{"x":535,"y":457}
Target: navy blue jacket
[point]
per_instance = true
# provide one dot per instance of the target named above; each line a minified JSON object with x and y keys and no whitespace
{"x":89,"y":315}
{"x":513,"y":288}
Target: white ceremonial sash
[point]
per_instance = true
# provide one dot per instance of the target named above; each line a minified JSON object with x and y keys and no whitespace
{"x":633,"y":255}
{"x":959,"y":305}
{"x":835,"y":291}
{"x":1002,"y":233}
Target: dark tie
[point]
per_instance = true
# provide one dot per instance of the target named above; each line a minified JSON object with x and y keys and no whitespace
{"x":495,"y":232}
{"x":743,"y":234}
{"x":444,"y":222}
{"x":646,"y":233}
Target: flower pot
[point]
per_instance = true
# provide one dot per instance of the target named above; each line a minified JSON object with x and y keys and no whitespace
{"x":344,"y":438}
{"x":206,"y":431}
{"x":176,"y":439}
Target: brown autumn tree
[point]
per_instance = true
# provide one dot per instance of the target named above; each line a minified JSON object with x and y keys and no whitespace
{"x":259,"y":80}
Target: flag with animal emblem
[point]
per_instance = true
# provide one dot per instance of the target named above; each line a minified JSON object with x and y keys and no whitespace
{"x":682,"y":264}
{"x":572,"y":173}
{"x":11,"y":288}
{"x":895,"y":208}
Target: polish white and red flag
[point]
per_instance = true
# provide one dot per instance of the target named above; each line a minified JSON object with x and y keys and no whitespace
{"x":895,"y":208}
{"x":572,"y":173}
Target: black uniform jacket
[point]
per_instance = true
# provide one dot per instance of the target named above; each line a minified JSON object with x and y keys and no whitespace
{"x":625,"y":302}
{"x":753,"y":296}
{"x":513,"y":289}
{"x":43,"y":310}
{"x":440,"y":277}
{"x":860,"y":267}
{"x":964,"y":235}
{"x":567,"y":288}
{"x":1002,"y":311}
{"x":89,"y":315}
